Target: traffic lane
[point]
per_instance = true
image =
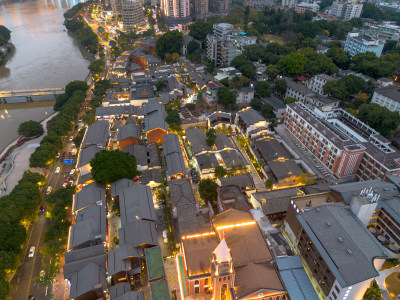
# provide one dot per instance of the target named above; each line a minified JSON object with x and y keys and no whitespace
{"x":24,"y":279}
{"x":39,"y":291}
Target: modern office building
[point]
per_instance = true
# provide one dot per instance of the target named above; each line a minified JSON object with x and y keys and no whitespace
{"x":358,"y":43}
{"x":342,"y":144}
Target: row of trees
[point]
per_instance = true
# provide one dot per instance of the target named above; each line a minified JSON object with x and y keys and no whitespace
{"x":59,"y":203}
{"x":19,"y":207}
{"x":84,"y":33}
{"x":68,"y":105}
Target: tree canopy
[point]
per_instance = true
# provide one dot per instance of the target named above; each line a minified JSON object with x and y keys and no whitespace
{"x":110,"y":166}
{"x":96,"y":67}
{"x":293,"y":63}
{"x":380,"y":118}
{"x":208,"y":190}
{"x":170,"y":42}
{"x":226,"y":97}
{"x":5,"y":35}
{"x":280,"y":86}
{"x":344,"y":87}
{"x":210,"y":137}
{"x":263,"y":88}
{"x":30,"y":128}
{"x":200,"y":29}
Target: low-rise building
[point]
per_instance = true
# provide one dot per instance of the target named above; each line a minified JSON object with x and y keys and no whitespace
{"x":155,"y":125}
{"x":245,"y":94}
{"x":172,"y":151}
{"x":245,"y":182}
{"x":211,"y":91}
{"x":218,"y":118}
{"x":317,"y":82}
{"x":84,"y":158}
{"x":303,"y":7}
{"x":231,"y":196}
{"x":388,"y":97}
{"x":128,"y":134}
{"x":251,"y":123}
{"x":96,"y":134}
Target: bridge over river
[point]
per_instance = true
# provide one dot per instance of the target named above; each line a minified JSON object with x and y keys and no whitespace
{"x":20,"y":96}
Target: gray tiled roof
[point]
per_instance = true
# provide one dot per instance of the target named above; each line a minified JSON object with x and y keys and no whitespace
{"x":275,"y":201}
{"x":120,"y":185}
{"x":173,"y":154}
{"x":391,"y":92}
{"x":284,"y":169}
{"x":139,"y":152}
{"x":90,"y":226}
{"x":96,"y":134}
{"x":301,"y":89}
{"x":129,"y":130}
{"x":155,"y":116}
{"x":197,"y":140}
{"x":132,"y":295}
{"x":250,"y":116}
{"x":119,"y":110}
{"x":271,"y":149}
{"x":171,"y":143}
{"x":348,"y":190}
{"x":155,"y":175}
{"x":86,"y":279}
{"x":222,"y":141}
{"x":344,"y":243}
{"x":120,"y":259}
{"x":241,"y":181}
{"x":138,"y":233}
{"x":87,"y":154}
{"x":207,"y":161}
{"x":136,"y":201}
{"x":75,"y":259}
{"x":295,"y":278}
{"x":217,"y":115}
{"x":232,"y":158}
{"x":181,"y":193}
{"x":91,"y":194}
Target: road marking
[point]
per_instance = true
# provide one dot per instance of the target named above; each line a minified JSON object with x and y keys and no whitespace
{"x":34,"y":259}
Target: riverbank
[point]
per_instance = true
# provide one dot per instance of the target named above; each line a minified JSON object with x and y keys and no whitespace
{"x":85,"y":54}
{"x":26,"y":105}
{"x":9,"y":53}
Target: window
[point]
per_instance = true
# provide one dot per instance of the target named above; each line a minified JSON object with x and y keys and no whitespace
{"x":196,"y":287}
{"x":206,"y":283}
{"x":337,"y":289}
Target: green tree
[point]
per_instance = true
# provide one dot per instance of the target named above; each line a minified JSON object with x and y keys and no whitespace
{"x":272,"y":71}
{"x":263,"y":88}
{"x":192,"y":47}
{"x":226,"y":97}
{"x":97,"y":66}
{"x":290,"y":100}
{"x":12,"y":236}
{"x":269,"y":184}
{"x":76,"y":85}
{"x":79,"y":137}
{"x":380,"y":118}
{"x":389,"y":45}
{"x":339,"y":57}
{"x":293,"y":63}
{"x":210,"y":137}
{"x":110,"y":166}
{"x":373,"y":292}
{"x":30,"y":128}
{"x":256,"y":103}
{"x":200,"y":29}
{"x":248,"y":69}
{"x":208,"y":190}
{"x":173,"y":117}
{"x":280,"y":86}
{"x":335,"y":89}
{"x":169,"y":42}
{"x":220,"y":171}
{"x":5,"y":35}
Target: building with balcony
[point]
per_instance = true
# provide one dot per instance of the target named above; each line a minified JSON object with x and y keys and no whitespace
{"x":317,"y":82}
{"x":342,"y":143}
{"x":345,"y":10}
{"x":251,"y":123}
{"x":132,"y":14}
{"x":341,"y":255}
{"x":175,"y":11}
{"x":303,"y":7}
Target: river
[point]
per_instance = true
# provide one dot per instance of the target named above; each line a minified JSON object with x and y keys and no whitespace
{"x":45,"y":56}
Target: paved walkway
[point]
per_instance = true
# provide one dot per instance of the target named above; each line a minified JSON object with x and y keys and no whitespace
{"x":381,"y":281}
{"x":60,"y":289}
{"x":171,"y":273}
{"x":17,"y":162}
{"x":257,"y":180}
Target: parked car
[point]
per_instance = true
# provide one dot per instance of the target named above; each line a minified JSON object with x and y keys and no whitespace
{"x":72,"y":172}
{"x":71,"y":138}
{"x":32,"y":251}
{"x":58,"y":155}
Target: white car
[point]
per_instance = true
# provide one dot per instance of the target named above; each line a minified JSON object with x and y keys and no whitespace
{"x":71,"y":138}
{"x":48,"y":191}
{"x":58,"y":170}
{"x":58,"y":155}
{"x":42,"y":273}
{"x":72,"y":172}
{"x":32,"y":251}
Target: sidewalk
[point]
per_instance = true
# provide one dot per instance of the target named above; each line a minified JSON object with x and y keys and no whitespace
{"x":60,"y":289}
{"x":381,"y":281}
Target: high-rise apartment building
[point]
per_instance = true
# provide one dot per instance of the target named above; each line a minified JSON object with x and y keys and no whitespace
{"x":201,"y":7}
{"x":226,"y":43}
{"x":345,"y":10}
{"x":116,"y":6}
{"x":359,"y":43}
{"x":220,"y":6}
{"x":176,"y":11}
{"x":132,"y":14}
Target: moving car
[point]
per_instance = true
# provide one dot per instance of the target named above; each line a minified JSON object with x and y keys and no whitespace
{"x":32,"y":251}
{"x":72,"y":172}
{"x":58,"y":155}
{"x":58,"y":170}
{"x":48,"y":191}
{"x":71,"y":138}
{"x":42,"y":273}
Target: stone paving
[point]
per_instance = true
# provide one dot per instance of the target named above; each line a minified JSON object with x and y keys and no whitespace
{"x":171,"y":274}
